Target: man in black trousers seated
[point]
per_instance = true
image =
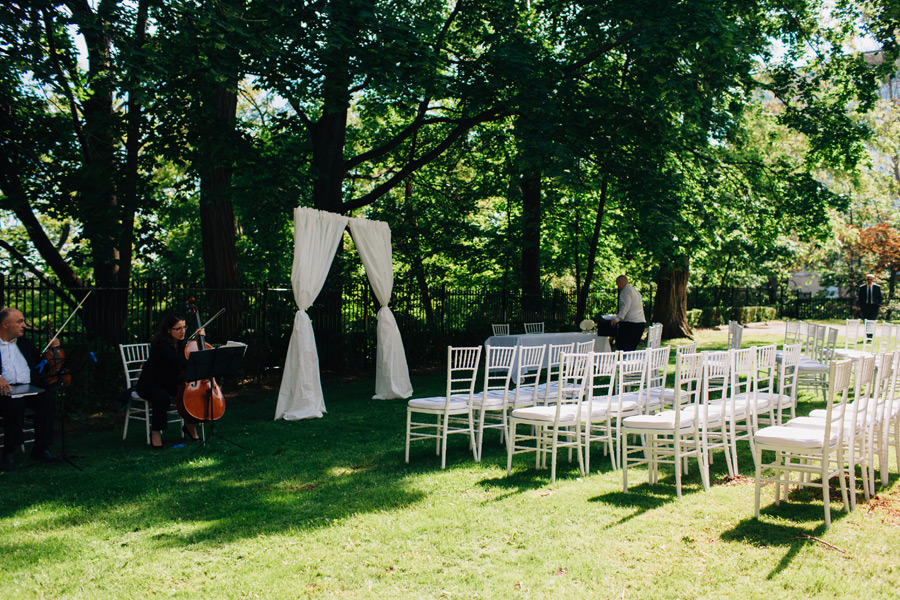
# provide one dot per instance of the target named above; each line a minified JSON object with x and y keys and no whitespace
{"x":19,"y":359}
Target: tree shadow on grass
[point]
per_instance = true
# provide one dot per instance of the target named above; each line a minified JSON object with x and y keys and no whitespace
{"x":646,"y":497}
{"x":288,"y":476}
{"x":776,"y":535}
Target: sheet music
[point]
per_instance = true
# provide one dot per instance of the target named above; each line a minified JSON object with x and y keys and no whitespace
{"x":20,"y":390}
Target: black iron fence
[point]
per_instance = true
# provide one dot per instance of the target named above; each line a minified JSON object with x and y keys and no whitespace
{"x":344,"y":321}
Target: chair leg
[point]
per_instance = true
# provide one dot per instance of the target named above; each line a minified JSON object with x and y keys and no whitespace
{"x":147,"y":420}
{"x":510,"y":445}
{"x":476,"y":448}
{"x":408,"y":431}
{"x":757,"y":487}
{"x":677,"y":445}
{"x":702,"y":454}
{"x":480,"y":437}
{"x":127,"y":418}
{"x":443,"y":440}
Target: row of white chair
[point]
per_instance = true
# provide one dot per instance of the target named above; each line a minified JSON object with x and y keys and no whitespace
{"x":871,"y":336}
{"x":835,"y":441}
{"x":512,"y":380}
{"x":719,"y":399}
{"x":503,"y":328}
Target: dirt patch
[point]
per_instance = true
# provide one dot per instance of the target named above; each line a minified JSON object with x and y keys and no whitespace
{"x":886,"y":507}
{"x":732,"y":480}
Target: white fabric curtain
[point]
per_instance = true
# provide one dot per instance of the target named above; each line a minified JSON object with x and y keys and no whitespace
{"x":373,"y":241}
{"x":316,"y":238}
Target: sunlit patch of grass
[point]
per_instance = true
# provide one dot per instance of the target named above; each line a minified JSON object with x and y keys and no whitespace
{"x":327,"y":507}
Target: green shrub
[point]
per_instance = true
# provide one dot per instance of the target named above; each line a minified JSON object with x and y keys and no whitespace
{"x":693,"y":317}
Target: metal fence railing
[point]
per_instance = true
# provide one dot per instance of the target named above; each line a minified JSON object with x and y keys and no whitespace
{"x":344,"y":319}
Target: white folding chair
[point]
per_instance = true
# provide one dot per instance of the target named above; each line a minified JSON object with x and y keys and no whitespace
{"x":604,"y":408}
{"x":672,"y":436}
{"x":654,"y":336}
{"x":500,"y":328}
{"x":885,"y":393}
{"x":791,"y":332}
{"x":452,"y":412}
{"x":133,"y":358}
{"x":735,"y":334}
{"x":534,"y":328}
{"x":494,"y":398}
{"x":851,"y":335}
{"x":885,"y":338}
{"x":715,"y":386}
{"x":528,"y":376}
{"x":808,"y":451}
{"x":547,"y":389}
{"x":584,"y":347}
{"x":813,"y":371}
{"x":870,"y":326}
{"x":739,"y":403}
{"x":786,"y":396}
{"x":855,"y":426}
{"x":555,"y":426}
{"x":668,"y":394}
{"x":657,"y":367}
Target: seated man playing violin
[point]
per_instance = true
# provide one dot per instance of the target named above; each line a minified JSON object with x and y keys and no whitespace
{"x":19,"y":360}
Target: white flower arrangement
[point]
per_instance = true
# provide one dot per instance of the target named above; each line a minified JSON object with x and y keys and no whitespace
{"x":587,"y":326}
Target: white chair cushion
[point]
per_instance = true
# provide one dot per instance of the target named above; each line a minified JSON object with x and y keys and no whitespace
{"x":437,"y":403}
{"x":664,"y":421}
{"x":774,"y":398}
{"x":793,"y":437}
{"x":610,"y":404}
{"x":493,"y":401}
{"x":740,"y":407}
{"x":667,"y":394}
{"x":817,"y":423}
{"x":547,"y":414}
{"x":812,"y":366}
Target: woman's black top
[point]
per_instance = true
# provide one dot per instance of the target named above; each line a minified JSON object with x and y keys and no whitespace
{"x":164,"y":367}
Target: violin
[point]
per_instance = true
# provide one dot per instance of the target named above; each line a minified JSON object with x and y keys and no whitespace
{"x":200,"y":400}
{"x":54,"y":357}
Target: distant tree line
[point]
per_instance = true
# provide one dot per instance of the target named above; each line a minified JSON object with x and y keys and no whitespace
{"x":521,"y":143}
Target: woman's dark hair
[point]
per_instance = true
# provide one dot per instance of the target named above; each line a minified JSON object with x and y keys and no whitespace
{"x":162,"y":332}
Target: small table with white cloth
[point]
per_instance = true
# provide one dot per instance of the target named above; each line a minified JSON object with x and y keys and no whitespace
{"x":601,"y":342}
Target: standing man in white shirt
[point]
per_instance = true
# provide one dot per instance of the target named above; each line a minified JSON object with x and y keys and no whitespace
{"x":19,"y":358}
{"x":629,"y":321}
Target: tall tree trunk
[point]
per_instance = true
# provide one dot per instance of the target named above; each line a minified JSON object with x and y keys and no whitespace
{"x":670,"y":303}
{"x":581,"y":303}
{"x":104,"y":312}
{"x":530,"y":185}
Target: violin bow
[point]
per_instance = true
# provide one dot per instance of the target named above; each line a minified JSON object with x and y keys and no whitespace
{"x":58,"y":331}
{"x":213,"y":318}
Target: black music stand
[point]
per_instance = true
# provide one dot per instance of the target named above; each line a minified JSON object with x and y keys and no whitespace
{"x":57,"y":386}
{"x":207,"y":364}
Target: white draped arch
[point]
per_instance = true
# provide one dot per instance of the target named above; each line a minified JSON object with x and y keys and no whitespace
{"x":373,"y":241}
{"x":316,"y":238}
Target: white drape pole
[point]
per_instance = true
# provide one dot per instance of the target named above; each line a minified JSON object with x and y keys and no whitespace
{"x":373,"y":241}
{"x":316,"y":238}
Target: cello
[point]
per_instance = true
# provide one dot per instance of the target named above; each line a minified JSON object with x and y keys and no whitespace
{"x":199,"y":400}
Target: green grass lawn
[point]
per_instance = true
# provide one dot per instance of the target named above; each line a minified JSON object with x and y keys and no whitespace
{"x":327,"y":507}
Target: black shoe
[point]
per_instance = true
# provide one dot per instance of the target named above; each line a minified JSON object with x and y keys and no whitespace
{"x":193,"y":438}
{"x":7,"y":463}
{"x":42,"y":454}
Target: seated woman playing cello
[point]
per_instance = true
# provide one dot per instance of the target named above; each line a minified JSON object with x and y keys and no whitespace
{"x":163,"y":373}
